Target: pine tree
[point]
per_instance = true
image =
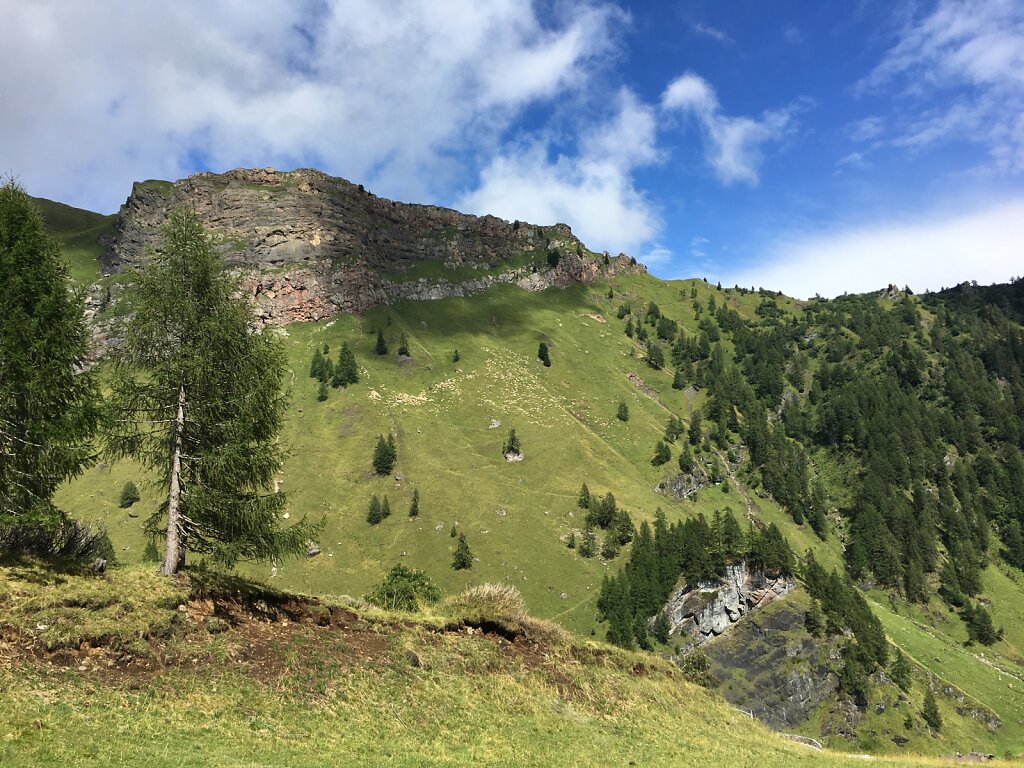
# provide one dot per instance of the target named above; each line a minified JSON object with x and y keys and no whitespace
{"x":414,"y":507}
{"x":662,"y":454}
{"x":129,"y":495}
{"x":655,"y":357}
{"x":610,"y":547}
{"x":694,"y":433}
{"x":381,"y":347}
{"x":571,"y":544}
{"x":930,"y":711}
{"x":321,"y":392}
{"x":199,"y":398}
{"x":900,"y":671}
{"x":583,"y":502}
{"x":374,"y":516}
{"x":661,"y":628}
{"x":455,"y":356}
{"x":678,"y":382}
{"x":48,"y":411}
{"x":629,"y":327}
{"x":512,"y":445}
{"x":463,"y":558}
{"x":588,"y":543}
{"x":384,"y":455}
{"x":346,"y":371}
{"x":622,"y":414}
{"x":814,"y":620}
{"x":542,"y":354}
{"x":385,"y":508}
{"x":403,"y":345}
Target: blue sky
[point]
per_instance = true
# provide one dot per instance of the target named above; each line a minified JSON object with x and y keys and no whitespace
{"x":808,"y":147}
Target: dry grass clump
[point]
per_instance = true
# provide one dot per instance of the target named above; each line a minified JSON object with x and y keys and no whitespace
{"x":500,"y":607}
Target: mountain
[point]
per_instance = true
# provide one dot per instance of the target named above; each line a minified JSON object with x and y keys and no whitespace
{"x":880,"y":433}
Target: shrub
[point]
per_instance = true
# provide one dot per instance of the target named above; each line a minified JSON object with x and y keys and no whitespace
{"x":404,"y":589}
{"x":129,"y":495}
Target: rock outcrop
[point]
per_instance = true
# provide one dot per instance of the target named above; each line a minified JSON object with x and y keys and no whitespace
{"x":310,"y":245}
{"x":708,"y":609}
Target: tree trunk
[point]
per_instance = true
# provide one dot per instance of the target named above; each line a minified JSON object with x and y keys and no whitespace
{"x":174,"y":555}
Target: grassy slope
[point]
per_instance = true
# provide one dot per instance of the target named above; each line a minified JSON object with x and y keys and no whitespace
{"x":79,"y":232}
{"x":440,"y":412}
{"x":299,"y":694}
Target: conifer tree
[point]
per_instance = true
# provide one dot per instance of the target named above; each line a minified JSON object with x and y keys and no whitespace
{"x":463,"y":558}
{"x":610,"y":547}
{"x":661,"y":627}
{"x":814,"y":620}
{"x":694,"y":433}
{"x":403,"y":345}
{"x":48,"y":410}
{"x":381,"y":347}
{"x":930,"y":711}
{"x":900,"y":671}
{"x":629,"y":327}
{"x":414,"y":507}
{"x":662,"y":454}
{"x":129,"y":495}
{"x":583,"y":502}
{"x":542,"y":354}
{"x":655,"y":357}
{"x":346,"y":371}
{"x":374,"y":516}
{"x":455,"y":356}
{"x":385,"y":508}
{"x":384,"y":455}
{"x":199,"y":398}
{"x":678,"y":382}
{"x":588,"y":542}
{"x":511,"y":447}
{"x":622,"y":413}
{"x":571,"y":543}
{"x":321,"y":392}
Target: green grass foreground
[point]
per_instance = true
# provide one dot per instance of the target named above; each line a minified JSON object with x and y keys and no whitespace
{"x":134,"y":669}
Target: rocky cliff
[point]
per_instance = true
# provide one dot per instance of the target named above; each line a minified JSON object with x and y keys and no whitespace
{"x":310,"y":245}
{"x":708,"y":609}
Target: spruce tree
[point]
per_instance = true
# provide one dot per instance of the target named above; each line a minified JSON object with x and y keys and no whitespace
{"x":455,"y":356}
{"x":129,"y":495}
{"x":930,"y":711}
{"x":381,"y":347}
{"x":622,"y":413}
{"x":661,"y":627}
{"x":346,"y":371}
{"x":384,"y":455}
{"x":694,"y":433}
{"x":588,"y":543}
{"x":662,"y":454}
{"x":385,"y":508}
{"x":571,"y":543}
{"x":374,"y":515}
{"x":511,"y":447}
{"x":403,"y":345}
{"x":414,"y":507}
{"x":542,"y":354}
{"x":900,"y":671}
{"x":463,"y":558}
{"x":199,"y":398}
{"x":583,"y":502}
{"x":610,"y":547}
{"x":48,"y":410}
{"x":654,"y":356}
{"x":321,"y":392}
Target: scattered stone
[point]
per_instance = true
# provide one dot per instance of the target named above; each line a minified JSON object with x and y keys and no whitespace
{"x":494,"y":424}
{"x":133,"y":515}
{"x":439,"y":527}
{"x":99,"y":565}
{"x":312,"y":551}
{"x":513,"y":456}
{"x":413,"y":658}
{"x":563,"y":596}
{"x":501,"y":512}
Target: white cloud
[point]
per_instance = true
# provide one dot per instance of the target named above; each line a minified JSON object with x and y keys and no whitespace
{"x":940,"y":250}
{"x":959,"y":72}
{"x":394,"y":94}
{"x":697,"y":245}
{"x":866,"y":129}
{"x":732,"y":144}
{"x":792,"y":35}
{"x":592,"y":190}
{"x":706,"y":30}
{"x":852,"y":160}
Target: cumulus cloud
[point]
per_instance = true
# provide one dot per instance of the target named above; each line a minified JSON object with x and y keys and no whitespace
{"x":395,"y":94}
{"x":865,"y":129}
{"x":959,"y":73}
{"x":733,"y":145}
{"x":940,"y":250}
{"x":593,"y":189}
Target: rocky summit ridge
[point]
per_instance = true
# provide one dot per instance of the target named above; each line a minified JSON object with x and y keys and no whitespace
{"x":309,"y":245}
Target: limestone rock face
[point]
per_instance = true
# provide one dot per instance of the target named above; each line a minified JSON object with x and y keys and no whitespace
{"x":310,"y":245}
{"x":712,"y":607}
